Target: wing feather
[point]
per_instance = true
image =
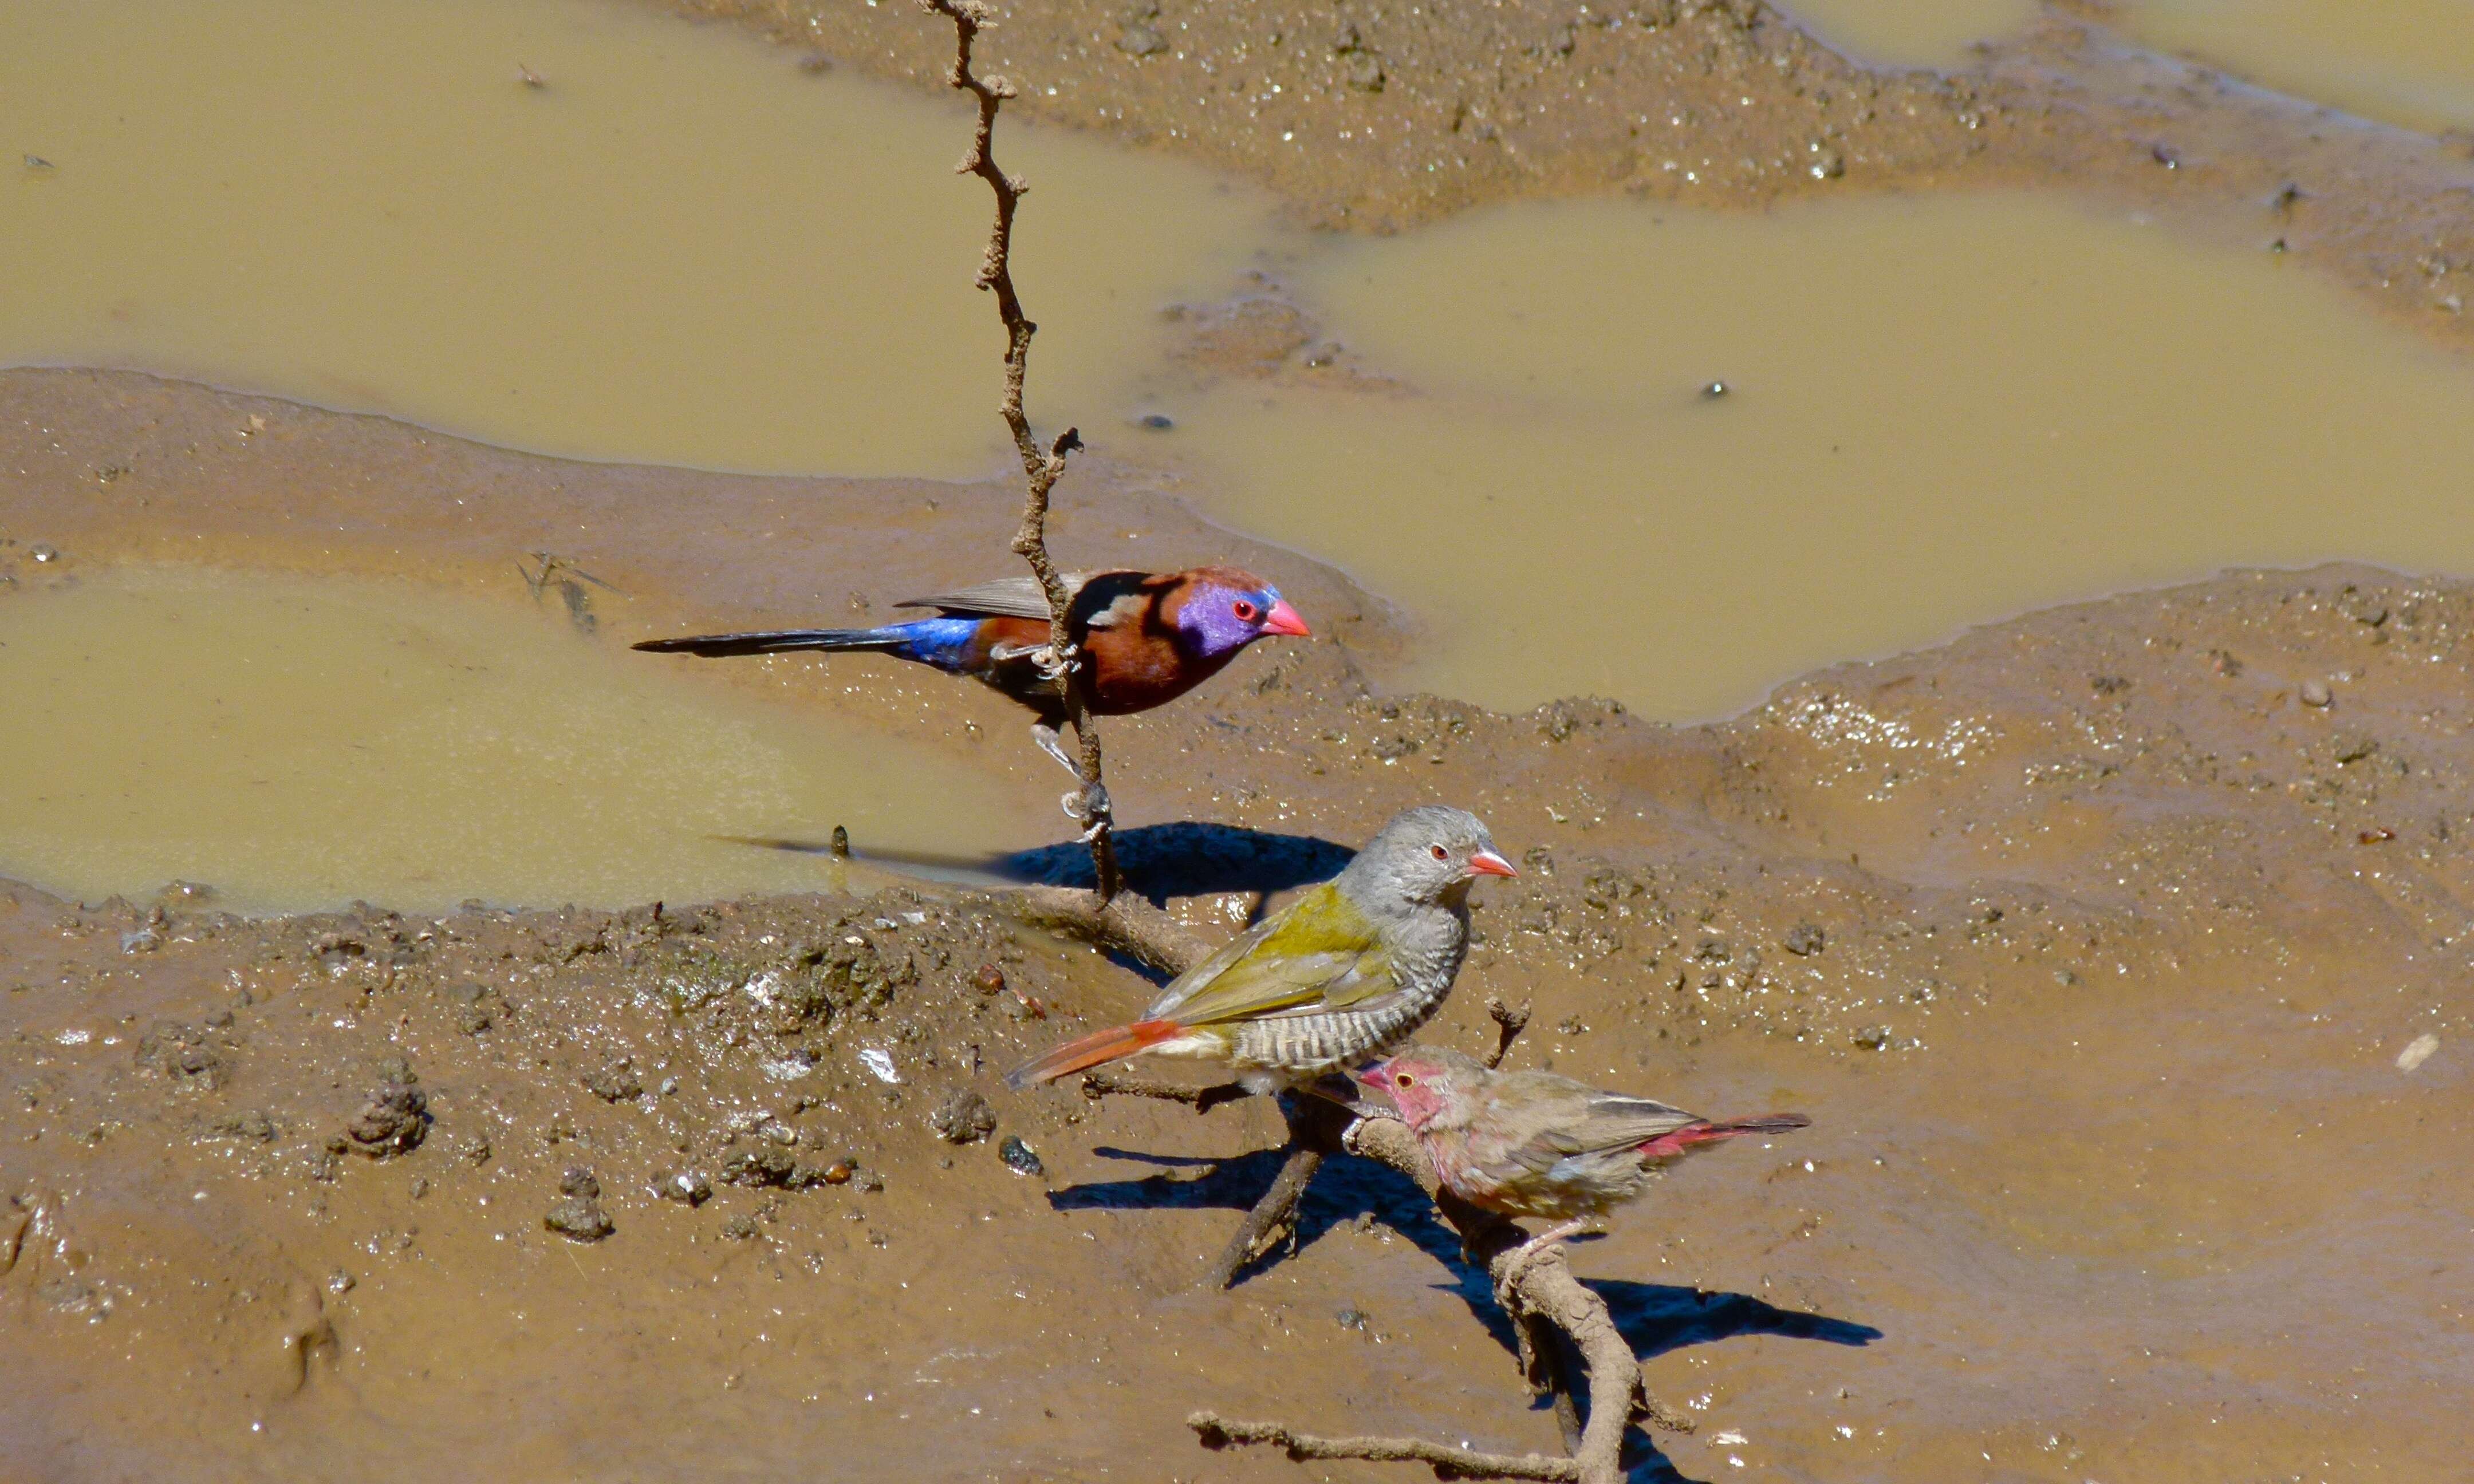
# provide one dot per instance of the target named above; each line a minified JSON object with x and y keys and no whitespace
{"x":1319,"y":953}
{"x":1006,"y":597}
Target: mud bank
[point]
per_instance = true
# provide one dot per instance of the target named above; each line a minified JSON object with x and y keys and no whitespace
{"x":2092,"y":941}
{"x":1380,"y":119}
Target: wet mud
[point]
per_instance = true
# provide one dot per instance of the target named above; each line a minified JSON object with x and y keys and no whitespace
{"x":2097,"y":943}
{"x":2116,"y":950}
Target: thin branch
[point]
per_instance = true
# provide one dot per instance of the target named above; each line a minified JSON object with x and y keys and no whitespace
{"x":1124,"y":923}
{"x":1274,"y":1218}
{"x":1449,"y":1463}
{"x":1041,"y":468}
{"x":1509,"y":1023}
{"x":1099,"y":1084}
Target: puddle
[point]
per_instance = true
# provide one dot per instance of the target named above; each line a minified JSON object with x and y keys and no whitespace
{"x":2407,"y":62}
{"x":1909,"y":33}
{"x":299,"y":742}
{"x":684,"y":249}
{"x":1939,"y":412}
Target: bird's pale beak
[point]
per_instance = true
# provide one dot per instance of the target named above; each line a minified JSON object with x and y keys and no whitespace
{"x":1486,"y":862}
{"x":1284,"y":619}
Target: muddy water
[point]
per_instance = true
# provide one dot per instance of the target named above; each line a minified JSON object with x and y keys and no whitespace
{"x":1936,"y":411}
{"x":2407,"y":62}
{"x":295,"y":743}
{"x":683,"y":249}
{"x":1909,"y":33}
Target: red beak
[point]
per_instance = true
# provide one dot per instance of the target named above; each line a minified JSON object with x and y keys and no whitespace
{"x":1486,"y":863}
{"x":1284,"y":619}
{"x":1370,"y":1074}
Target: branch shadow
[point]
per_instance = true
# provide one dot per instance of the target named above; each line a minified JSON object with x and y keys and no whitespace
{"x":1183,"y":858}
{"x":1656,"y":1319}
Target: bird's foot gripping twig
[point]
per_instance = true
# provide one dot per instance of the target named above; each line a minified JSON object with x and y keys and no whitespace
{"x":1088,"y":806}
{"x":1055,"y":664}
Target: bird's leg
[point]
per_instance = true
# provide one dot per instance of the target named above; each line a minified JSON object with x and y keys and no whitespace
{"x":1087,"y":806}
{"x":1053,"y":744}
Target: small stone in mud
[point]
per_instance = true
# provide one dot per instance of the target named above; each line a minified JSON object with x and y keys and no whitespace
{"x":615,"y":1083}
{"x":966,"y":1118}
{"x":739,"y":1229}
{"x":1019,"y":1158}
{"x":340,"y":1282}
{"x":684,"y":1185}
{"x":393,"y":1122}
{"x":1352,"y":1317}
{"x":870,"y":1181}
{"x":837,"y":1173}
{"x":990,"y":980}
{"x":1157,"y":422}
{"x":1711,"y":390}
{"x":2316,"y":693}
{"x":473,"y":1150}
{"x":757,"y":1167}
{"x":1874,"y":1038}
{"x":44,"y":551}
{"x":1140,"y":42}
{"x":1365,"y":72}
{"x":578,"y":1219}
{"x":1803,"y":940}
{"x":2417,"y":1052}
{"x":255,"y":1126}
{"x":419,"y":1188}
{"x":579,"y":1180}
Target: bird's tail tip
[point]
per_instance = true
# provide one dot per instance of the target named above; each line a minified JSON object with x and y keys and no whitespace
{"x":1097,"y":1049}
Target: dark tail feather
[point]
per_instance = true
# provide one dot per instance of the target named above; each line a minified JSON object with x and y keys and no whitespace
{"x":1096,"y":1049}
{"x":1693,"y":1135}
{"x":776,"y":641}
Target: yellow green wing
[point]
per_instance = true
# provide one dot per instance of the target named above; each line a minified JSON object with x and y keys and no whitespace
{"x":1319,"y":952}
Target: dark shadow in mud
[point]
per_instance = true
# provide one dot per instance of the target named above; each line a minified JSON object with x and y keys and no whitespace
{"x":1655,"y":1318}
{"x":1185,"y":858}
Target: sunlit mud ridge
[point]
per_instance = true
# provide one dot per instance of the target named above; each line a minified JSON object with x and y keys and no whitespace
{"x":1989,"y":911}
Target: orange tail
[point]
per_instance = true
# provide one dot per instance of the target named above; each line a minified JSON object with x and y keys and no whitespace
{"x":1096,"y":1049}
{"x":1693,"y":1135}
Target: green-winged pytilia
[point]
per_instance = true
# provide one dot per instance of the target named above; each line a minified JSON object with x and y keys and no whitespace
{"x":1536,"y":1144}
{"x":1353,"y":966}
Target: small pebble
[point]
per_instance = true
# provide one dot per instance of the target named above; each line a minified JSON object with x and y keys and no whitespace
{"x":2316,"y":693}
{"x":44,"y":551}
{"x":2417,"y":1052}
{"x":1714,"y":391}
{"x":1353,"y":1318}
{"x":340,"y":1282}
{"x":1157,"y":422}
{"x":1019,"y":1158}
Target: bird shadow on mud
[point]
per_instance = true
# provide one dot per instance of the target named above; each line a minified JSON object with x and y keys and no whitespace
{"x":1654,"y":1318}
{"x":1183,"y":858}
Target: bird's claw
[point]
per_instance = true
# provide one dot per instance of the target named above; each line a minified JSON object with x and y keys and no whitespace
{"x":1089,"y":806}
{"x":1053,"y":663}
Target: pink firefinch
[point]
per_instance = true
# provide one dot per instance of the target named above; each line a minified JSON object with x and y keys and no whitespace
{"x":1352,"y":967}
{"x":1532,"y":1143}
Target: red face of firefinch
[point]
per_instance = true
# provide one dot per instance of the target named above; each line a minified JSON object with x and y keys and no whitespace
{"x":1532,"y":1143}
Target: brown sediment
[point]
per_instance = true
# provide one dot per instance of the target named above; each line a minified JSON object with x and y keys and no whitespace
{"x":2091,"y":942}
{"x":1723,"y":102}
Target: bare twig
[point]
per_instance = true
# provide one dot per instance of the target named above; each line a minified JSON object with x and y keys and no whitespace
{"x":1124,"y":923}
{"x":1099,"y":1084}
{"x":1041,"y":467}
{"x":1509,"y":1023}
{"x":1274,"y":1218}
{"x":1449,"y":1463}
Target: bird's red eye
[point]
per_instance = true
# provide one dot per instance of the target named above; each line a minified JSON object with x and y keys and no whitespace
{"x":1244,"y":610}
{"x":1439,"y":852}
{"x":1404,"y":1079}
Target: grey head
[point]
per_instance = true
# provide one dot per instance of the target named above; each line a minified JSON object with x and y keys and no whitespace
{"x":1427,"y":856}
